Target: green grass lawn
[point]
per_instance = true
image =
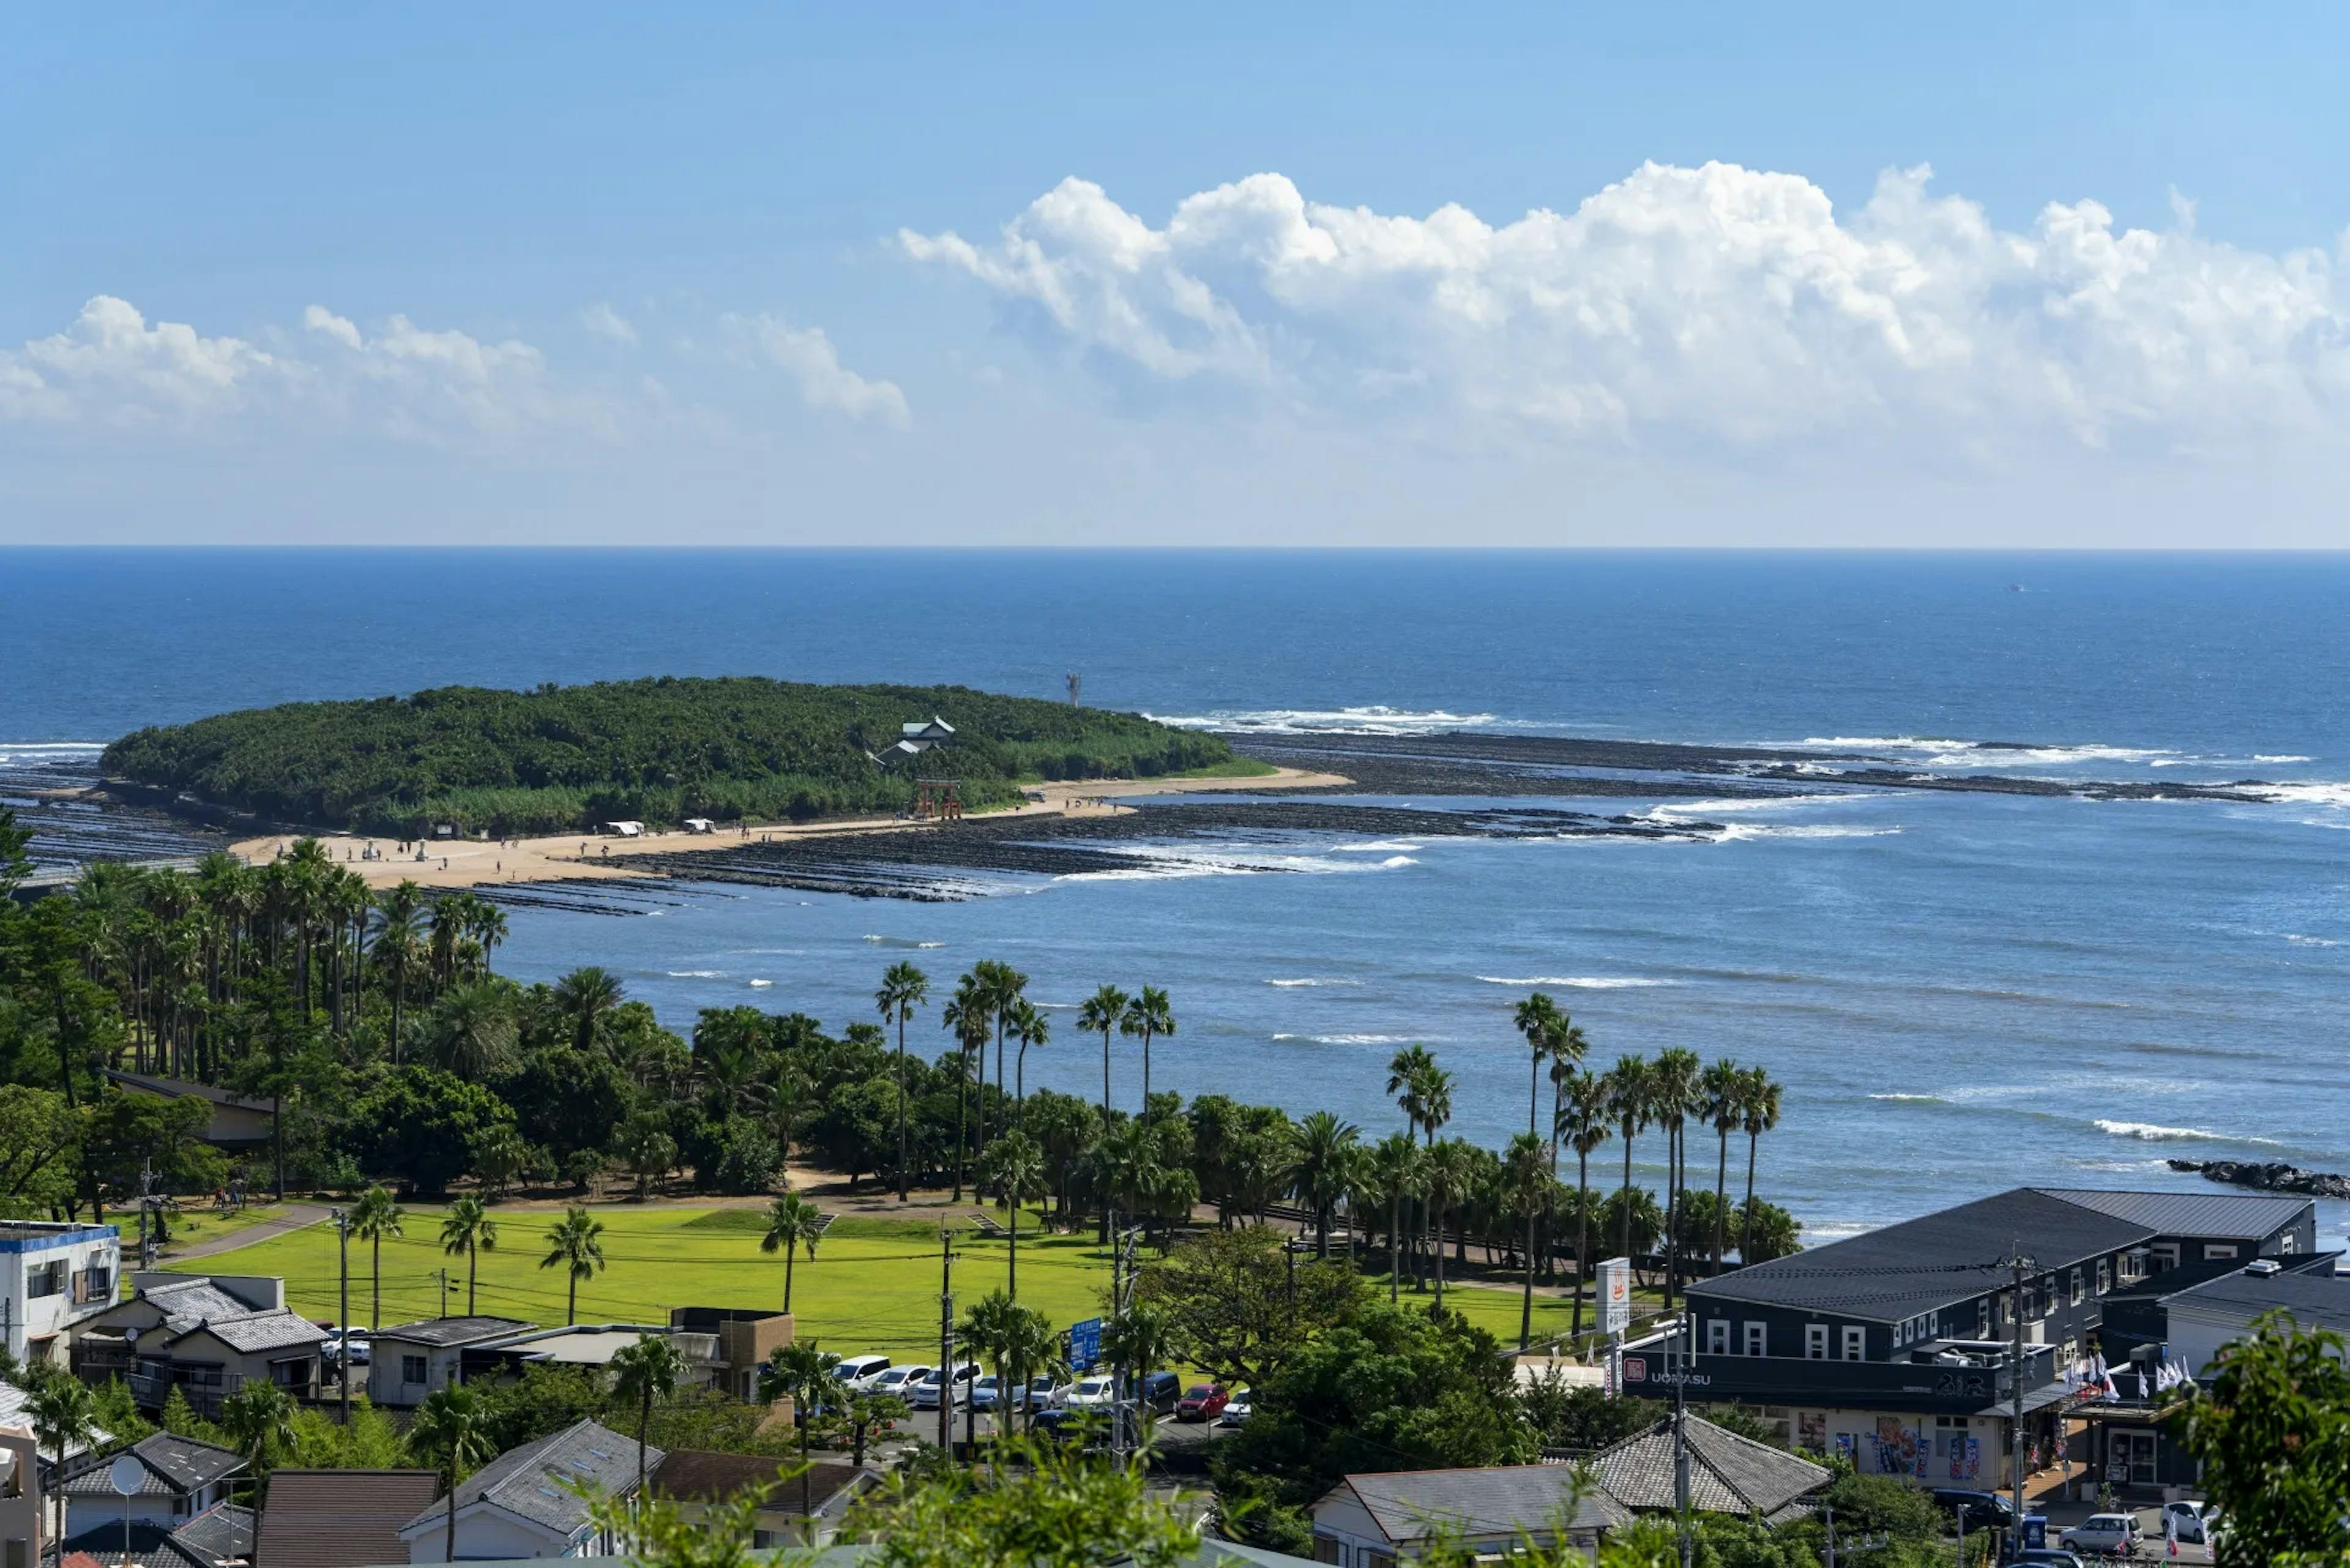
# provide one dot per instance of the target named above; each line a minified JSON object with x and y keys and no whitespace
{"x":873,"y":1286}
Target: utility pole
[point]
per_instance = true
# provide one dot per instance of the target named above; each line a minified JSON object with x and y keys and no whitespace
{"x":1829,"y":1514}
{"x":343,"y":1318}
{"x":946,"y":1341}
{"x":1289,"y":1250}
{"x":2019,"y":1262}
{"x":1681,"y":1446}
{"x":146,"y":1202}
{"x":443,"y":1275}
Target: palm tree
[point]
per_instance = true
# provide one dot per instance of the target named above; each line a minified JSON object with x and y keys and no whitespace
{"x":1522,"y":1181}
{"x":1030,"y":1344}
{"x":587,"y":994}
{"x":1567,"y":1048}
{"x":903,"y":989}
{"x":1395,"y":1171}
{"x":1760,"y":1104}
{"x":1421,"y":1090}
{"x":1324,"y":1169}
{"x":1584,"y":1120}
{"x":648,"y":1370}
{"x":810,"y":1378}
{"x":1014,"y":1168}
{"x":374,"y":1217}
{"x":1100,"y":1014}
{"x":473,"y":1029}
{"x":1030,"y":1027}
{"x":1538,"y":1019}
{"x":451,"y":1432}
{"x":792,"y":1223}
{"x":968,"y":1014}
{"x":1627,"y":1104}
{"x":395,"y":940}
{"x":1672,"y":1096}
{"x":1451,"y":1175}
{"x":1149,"y":1016}
{"x":467,"y":1227}
{"x":258,"y":1418}
{"x":1720,"y":1102}
{"x":64,"y":1413}
{"x":574,"y":1245}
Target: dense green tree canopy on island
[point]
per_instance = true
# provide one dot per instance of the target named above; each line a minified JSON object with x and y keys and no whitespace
{"x":561,"y":757}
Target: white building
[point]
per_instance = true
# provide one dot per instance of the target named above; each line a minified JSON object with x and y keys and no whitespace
{"x":53,"y":1278}
{"x":409,"y":1362}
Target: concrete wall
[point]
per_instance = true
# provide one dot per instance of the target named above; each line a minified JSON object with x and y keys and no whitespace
{"x":484,"y":1533}
{"x":21,"y":1532}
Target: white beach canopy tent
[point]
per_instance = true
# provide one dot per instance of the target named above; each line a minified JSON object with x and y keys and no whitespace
{"x":700,"y":825}
{"x":626,"y":829}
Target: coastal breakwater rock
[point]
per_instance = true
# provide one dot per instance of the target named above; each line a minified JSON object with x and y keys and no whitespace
{"x":2277,"y":1177}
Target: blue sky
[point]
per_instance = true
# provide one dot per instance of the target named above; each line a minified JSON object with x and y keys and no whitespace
{"x":585,"y":274}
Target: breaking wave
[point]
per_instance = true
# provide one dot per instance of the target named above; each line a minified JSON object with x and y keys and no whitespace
{"x":1291,"y":984}
{"x":2151,"y":1132}
{"x":1374,"y":720}
{"x":1578,"y":982}
{"x":1354,"y":1039}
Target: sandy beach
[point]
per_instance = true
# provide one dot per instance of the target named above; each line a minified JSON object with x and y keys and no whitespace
{"x":467,"y":863}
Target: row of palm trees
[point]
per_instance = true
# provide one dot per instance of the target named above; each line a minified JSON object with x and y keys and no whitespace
{"x":991,"y":1002}
{"x":182,"y":949}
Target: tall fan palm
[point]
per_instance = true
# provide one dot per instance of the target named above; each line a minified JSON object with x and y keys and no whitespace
{"x":1414,"y":1080}
{"x":1523,"y":1180}
{"x":396,"y":931}
{"x":810,"y":1375}
{"x":1584,"y":1122}
{"x":1393,"y":1173}
{"x":968,"y":1014}
{"x":65,"y":1414}
{"x":467,"y":1227}
{"x":1721,"y":1103}
{"x":1627,"y":1105}
{"x":1672,"y":1091}
{"x":588,"y":995}
{"x":1014,"y":1169}
{"x":998,"y":989}
{"x":1030,"y":1027}
{"x":259,"y":1420}
{"x":792,"y":1223}
{"x":574,"y":1245}
{"x":642,"y":1373}
{"x":1452,"y":1177}
{"x":1568,"y":1047}
{"x":374,"y":1217}
{"x":1761,"y":1108}
{"x":1102,"y":1013}
{"x":1323,"y":1170}
{"x":1148,"y":1016}
{"x":473,"y":1029}
{"x":903,"y":989}
{"x":452,"y":1433}
{"x":1539,"y":1020}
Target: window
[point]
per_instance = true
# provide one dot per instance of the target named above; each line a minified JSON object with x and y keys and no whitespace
{"x":48,"y":1280}
{"x":2104,"y":1276}
{"x":2213,"y":1251}
{"x":1717,"y":1336}
{"x":1982,"y":1318}
{"x":1758,"y":1339}
{"x":2289,"y":1241}
{"x":2077,"y":1287}
{"x":1815,"y":1341}
{"x":2164,"y":1255}
{"x":1855,"y":1342}
{"x":412,"y":1369}
{"x":1327,"y":1550}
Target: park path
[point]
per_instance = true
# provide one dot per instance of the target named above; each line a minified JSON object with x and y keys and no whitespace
{"x":296,"y":1217}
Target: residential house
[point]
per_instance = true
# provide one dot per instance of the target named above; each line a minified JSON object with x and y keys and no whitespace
{"x":54,"y":1279}
{"x":694,"y":1479}
{"x":1896,"y":1347}
{"x":590,"y":1345}
{"x":1380,"y":1519}
{"x":527,"y":1501}
{"x":23,"y":1530}
{"x":410,"y":1360}
{"x":339,"y":1519}
{"x":1727,"y":1473}
{"x":221,"y":1537}
{"x":160,"y":1305}
{"x":184,"y":1478}
{"x":236,"y":1121}
{"x":745,"y":1338}
{"x":15,"y":1411}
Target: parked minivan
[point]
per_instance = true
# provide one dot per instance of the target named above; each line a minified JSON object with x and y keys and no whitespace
{"x":1160,"y":1392}
{"x":855,"y":1370}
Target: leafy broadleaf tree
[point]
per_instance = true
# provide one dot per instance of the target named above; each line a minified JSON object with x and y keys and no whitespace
{"x":2273,"y":1434}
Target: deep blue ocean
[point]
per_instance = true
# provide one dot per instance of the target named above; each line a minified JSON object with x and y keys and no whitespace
{"x":1960,"y":991}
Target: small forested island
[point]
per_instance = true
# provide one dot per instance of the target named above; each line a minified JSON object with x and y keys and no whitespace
{"x":561,"y":758}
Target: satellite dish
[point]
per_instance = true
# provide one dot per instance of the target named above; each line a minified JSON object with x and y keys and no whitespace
{"x":127,"y":1475}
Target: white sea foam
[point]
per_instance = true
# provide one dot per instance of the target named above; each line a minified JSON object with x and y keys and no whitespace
{"x":1579,"y":981}
{"x":1936,"y":750}
{"x":1353,"y":1039}
{"x":1372,"y":720}
{"x":1740,"y":832}
{"x":2151,"y":1132}
{"x":1912,"y":1099}
{"x":2308,"y":794}
{"x":1378,"y":845}
{"x":697,"y":974}
{"x":899,"y":942}
{"x":1291,"y":984}
{"x":758,"y":983}
{"x":2297,"y":939}
{"x":2281,"y":757}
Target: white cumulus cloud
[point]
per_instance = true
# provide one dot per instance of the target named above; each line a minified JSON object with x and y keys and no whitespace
{"x":1718,"y":304}
{"x":604,"y":321}
{"x":807,"y":356}
{"x":111,"y":367}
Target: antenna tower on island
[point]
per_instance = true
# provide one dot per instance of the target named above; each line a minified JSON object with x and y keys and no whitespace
{"x":1077,"y":684}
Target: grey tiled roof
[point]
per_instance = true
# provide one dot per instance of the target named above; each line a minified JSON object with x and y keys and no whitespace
{"x":534,"y":1480}
{"x":697,"y":1475}
{"x":447,"y":1331}
{"x":150,"y":1547}
{"x":2250,"y":1215}
{"x":221,"y":1533}
{"x":1728,"y":1473}
{"x":13,"y":1412}
{"x":1407,"y":1505}
{"x":252,"y":1332}
{"x":175,"y":1466}
{"x":185,"y":1306}
{"x":1936,"y":1260}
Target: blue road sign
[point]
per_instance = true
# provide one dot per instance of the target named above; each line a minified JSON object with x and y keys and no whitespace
{"x":1085,"y":1343}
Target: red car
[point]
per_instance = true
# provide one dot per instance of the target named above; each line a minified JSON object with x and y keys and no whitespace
{"x":1202,"y":1402}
